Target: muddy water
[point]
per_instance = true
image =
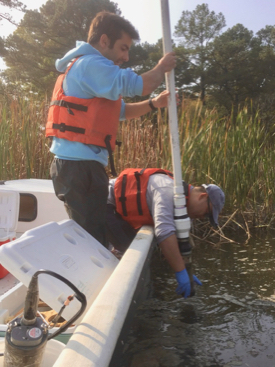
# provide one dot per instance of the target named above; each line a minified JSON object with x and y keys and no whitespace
{"x":230,"y":322}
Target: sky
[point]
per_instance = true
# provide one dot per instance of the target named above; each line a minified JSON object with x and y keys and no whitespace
{"x":145,"y":15}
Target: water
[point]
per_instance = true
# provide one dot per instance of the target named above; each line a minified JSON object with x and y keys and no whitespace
{"x":230,"y":322}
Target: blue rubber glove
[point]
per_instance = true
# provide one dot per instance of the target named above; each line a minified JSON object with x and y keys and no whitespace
{"x":184,"y":286}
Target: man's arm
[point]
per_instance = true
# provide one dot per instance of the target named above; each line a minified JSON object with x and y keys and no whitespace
{"x":160,"y":192}
{"x":170,"y":249}
{"x":160,"y":201}
{"x":133,"y":110}
{"x":153,"y":78}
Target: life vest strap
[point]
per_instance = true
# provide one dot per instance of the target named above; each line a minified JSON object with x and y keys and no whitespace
{"x":123,"y":198}
{"x":69,"y":106}
{"x":63,"y":127}
{"x":185,"y":189}
{"x":139,"y":207}
{"x":111,"y":158}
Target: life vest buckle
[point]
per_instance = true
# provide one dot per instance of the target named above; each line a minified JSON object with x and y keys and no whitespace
{"x":62,"y":127}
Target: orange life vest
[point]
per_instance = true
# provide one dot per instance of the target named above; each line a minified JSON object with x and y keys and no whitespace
{"x":89,"y":121}
{"x":130,"y":195}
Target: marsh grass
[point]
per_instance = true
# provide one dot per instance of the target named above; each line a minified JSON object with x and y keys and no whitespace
{"x":24,"y":150}
{"x":238,"y":156}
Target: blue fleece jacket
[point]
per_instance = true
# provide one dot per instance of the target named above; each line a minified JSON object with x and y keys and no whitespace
{"x":93,"y":75}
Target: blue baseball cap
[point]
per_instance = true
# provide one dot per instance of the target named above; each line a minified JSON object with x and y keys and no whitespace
{"x":217,"y":198}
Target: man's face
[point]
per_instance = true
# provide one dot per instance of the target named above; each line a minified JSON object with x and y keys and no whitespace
{"x":119,"y":53}
{"x":199,"y":206}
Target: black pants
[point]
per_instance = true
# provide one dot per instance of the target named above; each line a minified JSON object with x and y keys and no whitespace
{"x":119,"y":232}
{"x":83,"y":186}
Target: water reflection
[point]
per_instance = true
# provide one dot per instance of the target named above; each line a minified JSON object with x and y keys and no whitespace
{"x":230,"y":322}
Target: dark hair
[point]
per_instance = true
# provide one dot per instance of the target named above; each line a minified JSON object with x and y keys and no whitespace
{"x":112,"y":25}
{"x":200,"y":189}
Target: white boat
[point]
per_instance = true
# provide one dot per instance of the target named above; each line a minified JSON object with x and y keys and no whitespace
{"x":31,"y":213}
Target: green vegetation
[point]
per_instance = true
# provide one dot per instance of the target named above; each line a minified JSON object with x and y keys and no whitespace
{"x":24,"y":151}
{"x":238,"y":156}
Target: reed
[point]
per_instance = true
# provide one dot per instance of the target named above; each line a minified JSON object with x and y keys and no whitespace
{"x":24,"y":150}
{"x":238,"y":156}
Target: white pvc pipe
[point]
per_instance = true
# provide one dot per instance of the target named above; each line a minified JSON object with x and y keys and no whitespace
{"x":94,"y":340}
{"x":172,"y":106}
{"x":182,"y":222}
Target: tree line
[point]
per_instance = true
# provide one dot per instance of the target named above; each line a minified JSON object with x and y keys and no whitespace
{"x":220,"y":68}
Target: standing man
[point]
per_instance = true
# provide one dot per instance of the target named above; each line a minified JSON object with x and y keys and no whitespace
{"x":85,"y":111}
{"x":146,"y":197}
